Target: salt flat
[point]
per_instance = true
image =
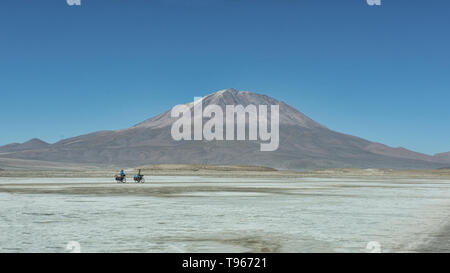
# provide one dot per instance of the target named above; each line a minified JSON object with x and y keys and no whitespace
{"x":213,"y":214}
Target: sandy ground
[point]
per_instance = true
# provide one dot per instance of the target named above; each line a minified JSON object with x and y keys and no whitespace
{"x":440,"y":243}
{"x":163,"y":183}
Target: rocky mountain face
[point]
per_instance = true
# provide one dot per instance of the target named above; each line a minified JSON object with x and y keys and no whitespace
{"x":304,"y":144}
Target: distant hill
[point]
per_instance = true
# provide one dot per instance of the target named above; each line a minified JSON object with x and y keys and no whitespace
{"x":444,"y":157}
{"x":304,"y":144}
{"x":31,"y":144}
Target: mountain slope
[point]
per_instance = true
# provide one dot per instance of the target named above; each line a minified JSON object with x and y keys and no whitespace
{"x":304,"y":144}
{"x":31,"y":144}
{"x":443,"y":157}
{"x":399,"y":152}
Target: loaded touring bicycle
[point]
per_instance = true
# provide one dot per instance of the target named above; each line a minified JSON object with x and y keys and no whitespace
{"x":121,"y":178}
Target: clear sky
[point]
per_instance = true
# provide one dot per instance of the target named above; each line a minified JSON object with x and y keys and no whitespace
{"x":381,"y":73}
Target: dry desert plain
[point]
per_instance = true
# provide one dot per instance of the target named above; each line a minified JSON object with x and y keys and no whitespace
{"x":198,"y":208}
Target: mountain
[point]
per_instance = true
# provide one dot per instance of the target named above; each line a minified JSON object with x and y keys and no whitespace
{"x":444,"y":157}
{"x":304,"y":144}
{"x":399,"y":152}
{"x":31,"y":144}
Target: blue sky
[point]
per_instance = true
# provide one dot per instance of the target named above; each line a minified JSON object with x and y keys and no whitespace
{"x":381,"y":73}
